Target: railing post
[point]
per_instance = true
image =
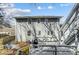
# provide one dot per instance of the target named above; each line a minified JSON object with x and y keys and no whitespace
{"x":76,"y":42}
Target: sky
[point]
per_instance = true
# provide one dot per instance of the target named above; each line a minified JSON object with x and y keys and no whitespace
{"x":51,"y":9}
{"x":59,"y":9}
{"x":39,"y":9}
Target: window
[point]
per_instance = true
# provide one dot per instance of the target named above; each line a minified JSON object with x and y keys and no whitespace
{"x":51,"y":32}
{"x":29,"y":21}
{"x":46,"y":20}
{"x":38,"y":20}
{"x":29,"y":33}
{"x":48,"y":32}
{"x":39,"y":33}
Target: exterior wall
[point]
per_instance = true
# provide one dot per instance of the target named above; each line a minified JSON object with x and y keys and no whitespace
{"x":23,"y":27}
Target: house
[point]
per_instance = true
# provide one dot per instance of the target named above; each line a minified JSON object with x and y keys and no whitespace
{"x":43,"y":28}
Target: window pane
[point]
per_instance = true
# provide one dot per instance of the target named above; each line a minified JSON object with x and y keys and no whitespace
{"x":29,"y":33}
{"x":51,"y":32}
{"x":39,"y":33}
{"x":48,"y":32}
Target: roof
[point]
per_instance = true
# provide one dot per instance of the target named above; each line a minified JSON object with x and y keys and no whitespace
{"x":38,"y":17}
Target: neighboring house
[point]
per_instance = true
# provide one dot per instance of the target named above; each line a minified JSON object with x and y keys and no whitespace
{"x":7,"y":34}
{"x":8,"y":31}
{"x":43,"y":28}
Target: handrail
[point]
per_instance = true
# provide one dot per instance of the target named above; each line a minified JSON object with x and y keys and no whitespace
{"x":70,"y":14}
